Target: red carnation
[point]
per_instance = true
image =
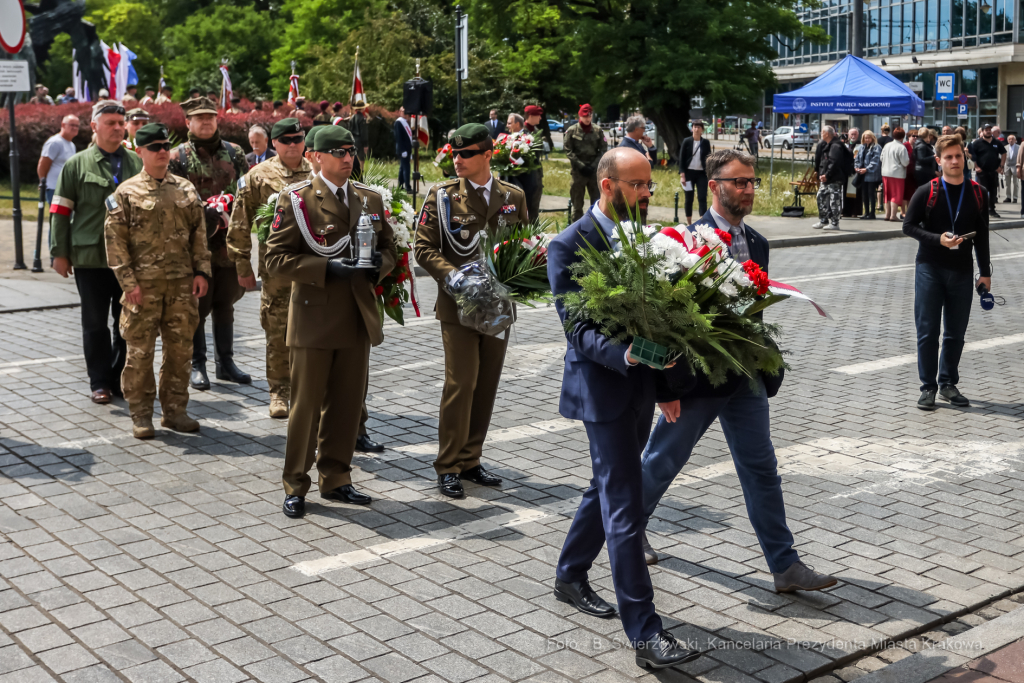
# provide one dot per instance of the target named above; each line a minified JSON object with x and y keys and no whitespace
{"x":395,"y":302}
{"x":405,"y":259}
{"x":724,"y":236}
{"x":400,"y":277}
{"x":378,"y":290}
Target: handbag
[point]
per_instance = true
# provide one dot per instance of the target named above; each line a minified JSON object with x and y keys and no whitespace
{"x":858,"y":180}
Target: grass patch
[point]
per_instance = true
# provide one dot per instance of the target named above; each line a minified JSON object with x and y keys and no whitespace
{"x":29,"y":201}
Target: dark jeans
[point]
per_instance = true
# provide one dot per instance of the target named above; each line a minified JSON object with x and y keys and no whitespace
{"x":990,"y":181}
{"x":404,"y":174}
{"x":700,"y":186}
{"x":946,"y":295}
{"x":104,"y":354}
{"x":870,"y":194}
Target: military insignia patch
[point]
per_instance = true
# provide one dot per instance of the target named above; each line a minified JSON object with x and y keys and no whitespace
{"x":374,"y":216}
{"x":423,"y":217}
{"x":111,"y":203}
{"x":508,"y":208}
{"x":241,"y":183}
{"x":463,"y":219}
{"x":278,"y":217}
{"x":458,"y":141}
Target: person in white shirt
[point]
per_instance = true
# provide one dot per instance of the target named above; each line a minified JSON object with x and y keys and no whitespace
{"x":56,"y":151}
{"x":1012,"y":182}
{"x":895,"y":160}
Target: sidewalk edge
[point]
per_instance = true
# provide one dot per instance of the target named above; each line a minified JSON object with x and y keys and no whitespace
{"x":28,"y":309}
{"x":839,"y":237}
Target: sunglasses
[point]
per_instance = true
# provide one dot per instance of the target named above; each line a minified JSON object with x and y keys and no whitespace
{"x":291,"y":139}
{"x":341,"y":152}
{"x":111,"y":109}
{"x":158,"y":147}
{"x":468,"y":153}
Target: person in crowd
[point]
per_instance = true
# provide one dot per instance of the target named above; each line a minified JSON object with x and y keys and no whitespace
{"x":135,"y":120}
{"x":260,"y":143}
{"x":155,"y":238}
{"x":130,"y":98}
{"x":997,"y":133}
{"x":690,"y":404}
{"x":358,"y":126}
{"x":1010,"y":179}
{"x":403,"y":149}
{"x":989,"y":156}
{"x":852,"y":202}
{"x":42,"y":95}
{"x":254,"y":190}
{"x":77,"y":244}
{"x":885,"y":138}
{"x":962,"y":132}
{"x":753,"y":136}
{"x":584,"y":144}
{"x":829,"y":161}
{"x":166,"y":95}
{"x":478,"y":202}
{"x":336,"y":109}
{"x":613,"y":394}
{"x":947,"y":130}
{"x":636,"y":138}
{"x":235,"y":107}
{"x":494,"y":125}
{"x":868,"y":164}
{"x":925,"y":167}
{"x":515,"y":123}
{"x":214,"y":166}
{"x":910,"y":183}
{"x":895,"y":161}
{"x":333,"y":320}
{"x":56,"y":151}
{"x":948,"y":216}
{"x":693,"y":156}
{"x":68,"y":97}
{"x":536,"y":125}
{"x":149,"y":97}
{"x":324,"y":116}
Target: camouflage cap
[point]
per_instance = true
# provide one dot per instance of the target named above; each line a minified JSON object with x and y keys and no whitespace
{"x":150,"y":133}
{"x":137,"y":114}
{"x":332,"y":137}
{"x":284,"y":127}
{"x":469,"y":134}
{"x":199,"y":105}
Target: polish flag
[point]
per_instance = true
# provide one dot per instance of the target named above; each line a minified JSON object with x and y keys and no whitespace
{"x":225,"y":87}
{"x":357,"y":84}
{"x":293,"y":89}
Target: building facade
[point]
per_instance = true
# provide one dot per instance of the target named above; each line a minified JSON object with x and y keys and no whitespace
{"x":976,"y":41}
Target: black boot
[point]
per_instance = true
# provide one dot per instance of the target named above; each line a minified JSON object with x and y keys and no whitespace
{"x":223,"y":337}
{"x":198,"y":379}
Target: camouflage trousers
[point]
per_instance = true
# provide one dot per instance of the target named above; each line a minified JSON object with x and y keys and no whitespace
{"x":169,"y":310}
{"x":274,"y":297}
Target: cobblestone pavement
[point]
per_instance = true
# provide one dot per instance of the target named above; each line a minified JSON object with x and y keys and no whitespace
{"x":170,"y":559}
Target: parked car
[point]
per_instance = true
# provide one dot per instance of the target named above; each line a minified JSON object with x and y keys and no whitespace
{"x":555,"y":126}
{"x":788,"y":137}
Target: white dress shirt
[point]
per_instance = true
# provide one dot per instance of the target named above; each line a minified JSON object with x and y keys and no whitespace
{"x":334,"y":188}
{"x":738,"y":250}
{"x":487,"y":188}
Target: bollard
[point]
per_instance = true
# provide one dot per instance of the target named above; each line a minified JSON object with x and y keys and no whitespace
{"x":37,"y":260}
{"x":676,"y":217}
{"x":568,"y":214}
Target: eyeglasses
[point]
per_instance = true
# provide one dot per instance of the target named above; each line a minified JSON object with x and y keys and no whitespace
{"x":467,"y":153}
{"x":291,"y":139}
{"x":111,"y":109}
{"x":341,"y":152}
{"x":741,"y":183}
{"x":158,"y":147}
{"x":650,"y":184}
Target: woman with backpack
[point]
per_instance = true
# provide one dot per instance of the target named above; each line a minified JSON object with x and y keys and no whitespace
{"x":868,"y":165}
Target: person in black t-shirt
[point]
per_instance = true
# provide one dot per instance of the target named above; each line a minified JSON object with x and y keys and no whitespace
{"x":989,"y":154}
{"x":944,"y":274}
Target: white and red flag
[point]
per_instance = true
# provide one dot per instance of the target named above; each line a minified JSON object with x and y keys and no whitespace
{"x":358,"y":96}
{"x":293,"y":88}
{"x":225,"y":87}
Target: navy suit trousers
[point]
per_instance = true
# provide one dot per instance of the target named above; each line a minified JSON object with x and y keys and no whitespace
{"x":612,"y":510}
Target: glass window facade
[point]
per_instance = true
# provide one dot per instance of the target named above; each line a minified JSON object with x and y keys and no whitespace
{"x":896,"y":27}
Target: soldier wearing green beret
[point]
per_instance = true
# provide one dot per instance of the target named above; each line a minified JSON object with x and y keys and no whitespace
{"x":155,"y":238}
{"x":332,"y":317}
{"x":288,"y":167}
{"x":454,"y":215}
{"x":310,"y":154}
{"x":214,"y":166}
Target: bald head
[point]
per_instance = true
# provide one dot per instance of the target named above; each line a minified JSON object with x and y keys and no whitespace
{"x":617,"y":160}
{"x":623,"y":175}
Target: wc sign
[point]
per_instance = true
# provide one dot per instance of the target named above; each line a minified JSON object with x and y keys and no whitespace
{"x":944,"y":85}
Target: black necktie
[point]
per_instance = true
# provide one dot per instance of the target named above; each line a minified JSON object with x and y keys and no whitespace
{"x":341,"y":196}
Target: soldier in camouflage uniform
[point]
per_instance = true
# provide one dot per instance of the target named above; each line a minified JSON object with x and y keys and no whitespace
{"x":155,"y":237}
{"x":254,"y":190}
{"x":584,"y":145}
{"x":214,"y":166}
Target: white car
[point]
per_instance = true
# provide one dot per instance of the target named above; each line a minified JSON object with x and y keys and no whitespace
{"x":788,"y":137}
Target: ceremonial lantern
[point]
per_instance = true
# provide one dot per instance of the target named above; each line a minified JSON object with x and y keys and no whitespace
{"x":366,"y":238}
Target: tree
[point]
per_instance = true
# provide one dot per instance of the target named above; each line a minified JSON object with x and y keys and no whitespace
{"x":194,"y":49}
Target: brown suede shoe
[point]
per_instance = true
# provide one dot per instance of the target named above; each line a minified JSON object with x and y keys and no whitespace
{"x":179,"y":423}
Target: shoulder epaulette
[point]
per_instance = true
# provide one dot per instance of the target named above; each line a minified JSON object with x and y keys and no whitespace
{"x":361,"y":186}
{"x":297,"y":186}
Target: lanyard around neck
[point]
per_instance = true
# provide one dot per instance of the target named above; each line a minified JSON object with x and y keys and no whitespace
{"x":949,"y":204}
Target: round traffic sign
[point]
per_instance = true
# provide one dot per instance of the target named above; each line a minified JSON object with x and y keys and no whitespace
{"x":962,"y":99}
{"x":12,"y":27}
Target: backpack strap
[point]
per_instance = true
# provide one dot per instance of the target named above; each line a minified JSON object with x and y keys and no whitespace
{"x":933,"y":196}
{"x":979,"y":196}
{"x":231,"y":150}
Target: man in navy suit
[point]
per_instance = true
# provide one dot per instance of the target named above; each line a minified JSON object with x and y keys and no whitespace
{"x":688,"y":411}
{"x":614,"y":397}
{"x":403,"y":149}
{"x":495,"y":126}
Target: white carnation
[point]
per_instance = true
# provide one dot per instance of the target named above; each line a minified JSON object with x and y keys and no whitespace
{"x":729,"y":289}
{"x":707,"y":234}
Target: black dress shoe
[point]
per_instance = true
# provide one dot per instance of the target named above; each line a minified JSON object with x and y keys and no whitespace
{"x":953,"y":395}
{"x":199,"y":379}
{"x":583,"y":597}
{"x":348,"y":494}
{"x":663,"y":651}
{"x":294,"y":506}
{"x":478,"y":475}
{"x":365,"y":444}
{"x":450,"y":485}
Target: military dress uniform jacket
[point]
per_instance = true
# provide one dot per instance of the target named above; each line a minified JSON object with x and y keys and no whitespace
{"x":77,"y":212}
{"x":439,"y":253}
{"x":324,"y":314}
{"x":155,"y":230}
{"x":254,"y":190}
{"x":584,"y":149}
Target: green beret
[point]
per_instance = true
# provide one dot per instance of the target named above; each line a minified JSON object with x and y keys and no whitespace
{"x":285,"y":127}
{"x":150,"y":133}
{"x":333,"y":137}
{"x":469,"y":134}
{"x":311,"y":136}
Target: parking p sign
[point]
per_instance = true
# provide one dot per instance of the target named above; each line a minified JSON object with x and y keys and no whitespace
{"x":944,"y":84}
